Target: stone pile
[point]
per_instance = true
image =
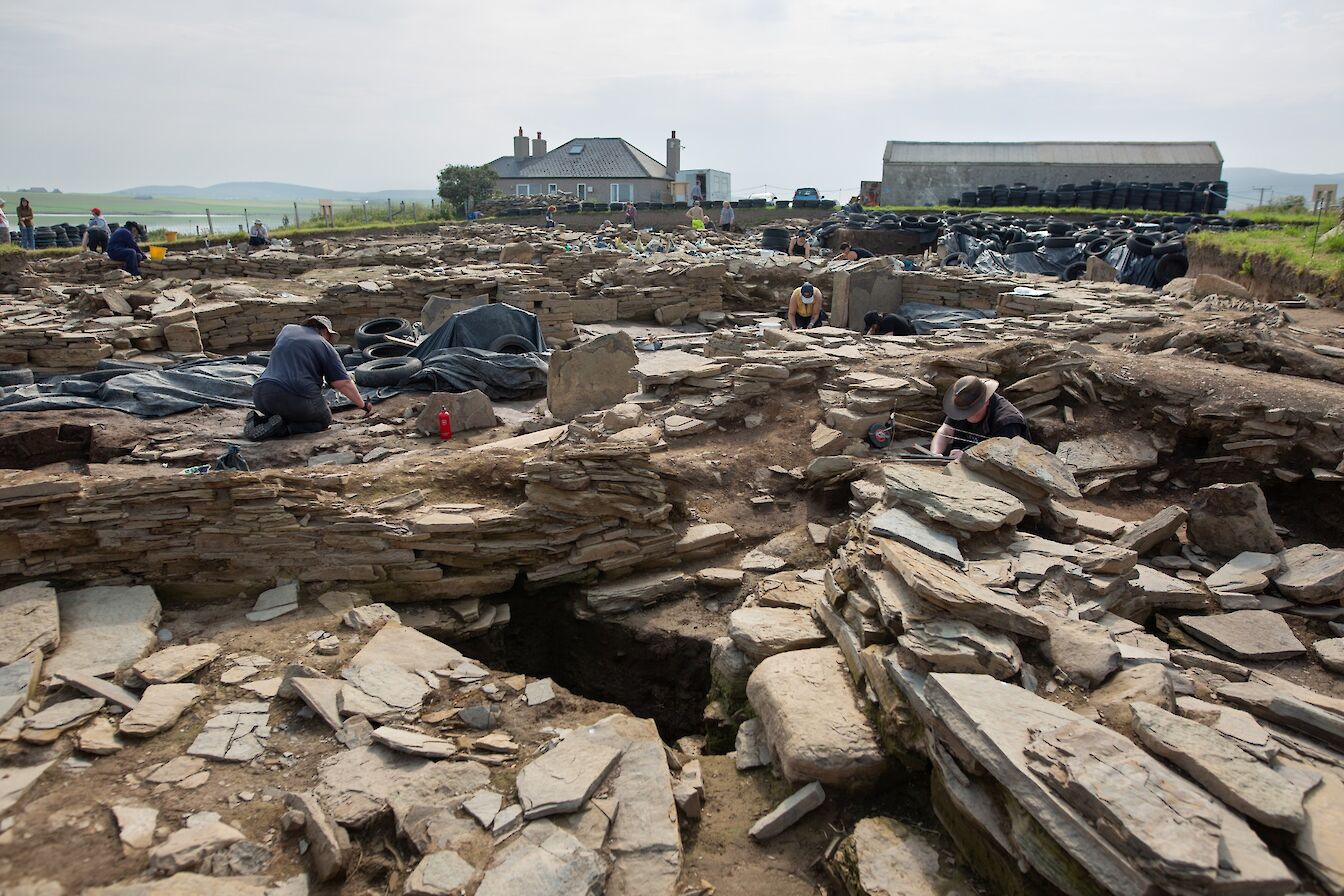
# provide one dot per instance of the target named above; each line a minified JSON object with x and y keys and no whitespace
{"x":1026,"y":671}
{"x":669,"y":290}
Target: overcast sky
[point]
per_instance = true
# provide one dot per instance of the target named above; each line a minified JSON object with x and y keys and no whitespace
{"x":358,"y":95}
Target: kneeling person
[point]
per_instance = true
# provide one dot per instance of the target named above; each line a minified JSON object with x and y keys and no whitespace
{"x":875,"y":323}
{"x":975,"y":412}
{"x":288,"y":395}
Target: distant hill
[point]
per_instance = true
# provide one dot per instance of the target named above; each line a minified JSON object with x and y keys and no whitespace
{"x":260,"y":189}
{"x":1241,"y":181}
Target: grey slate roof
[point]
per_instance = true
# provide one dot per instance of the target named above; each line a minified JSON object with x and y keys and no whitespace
{"x":1100,"y":153}
{"x":602,"y":157}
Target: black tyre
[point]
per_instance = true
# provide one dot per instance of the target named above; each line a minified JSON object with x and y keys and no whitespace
{"x":386,"y":350}
{"x":1140,"y":244}
{"x":1074,"y":271}
{"x":1099,"y":246}
{"x":1060,"y":242}
{"x":1056,"y":228}
{"x":386,"y":372}
{"x":511,"y":344}
{"x":878,"y":435}
{"x":261,"y":359}
{"x":955,"y":260}
{"x":352,"y":359}
{"x":1024,"y":246}
{"x":1171,"y":247}
{"x":19,"y":377}
{"x":377,"y":330}
{"x":1169,"y":267}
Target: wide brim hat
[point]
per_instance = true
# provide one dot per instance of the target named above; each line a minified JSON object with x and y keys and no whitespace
{"x":967,"y":396}
{"x":324,"y":322}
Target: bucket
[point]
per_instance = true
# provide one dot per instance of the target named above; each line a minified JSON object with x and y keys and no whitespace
{"x":170,"y":236}
{"x":157,"y":253}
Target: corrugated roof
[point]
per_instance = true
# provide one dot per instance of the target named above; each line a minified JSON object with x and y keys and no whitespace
{"x":602,"y":157}
{"x":1190,"y":153}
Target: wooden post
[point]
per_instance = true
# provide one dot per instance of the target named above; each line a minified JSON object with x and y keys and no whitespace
{"x":389,"y":209}
{"x":296,"y":216}
{"x":210,"y":223}
{"x":247,"y":221}
{"x":413,"y":221}
{"x":366,"y":211}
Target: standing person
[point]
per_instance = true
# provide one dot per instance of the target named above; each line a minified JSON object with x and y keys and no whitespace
{"x":288,"y":394}
{"x":97,"y":234}
{"x":697,"y":216}
{"x":26,"y":238}
{"x":875,"y":323}
{"x":798,"y":245}
{"x":975,"y":412}
{"x":258,"y":236}
{"x":122,"y":247}
{"x":727,"y":215}
{"x":4,"y":225}
{"x":630,"y":213}
{"x":805,"y":311}
{"x":696,"y":195}
{"x":550,"y":217}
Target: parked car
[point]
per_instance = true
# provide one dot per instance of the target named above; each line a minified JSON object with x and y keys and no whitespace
{"x":805,"y":194}
{"x":770,"y":198}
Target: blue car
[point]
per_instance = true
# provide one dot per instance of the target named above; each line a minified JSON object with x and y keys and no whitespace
{"x":806,"y":193}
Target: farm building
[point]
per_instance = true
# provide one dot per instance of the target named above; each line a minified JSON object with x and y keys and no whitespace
{"x":916,"y":173}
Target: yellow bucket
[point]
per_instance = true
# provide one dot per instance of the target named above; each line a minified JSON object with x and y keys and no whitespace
{"x":157,"y":253}
{"x":170,"y":236}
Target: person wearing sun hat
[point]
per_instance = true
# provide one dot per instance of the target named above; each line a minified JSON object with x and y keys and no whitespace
{"x":976,"y":411}
{"x":97,"y":233}
{"x":288,"y":394}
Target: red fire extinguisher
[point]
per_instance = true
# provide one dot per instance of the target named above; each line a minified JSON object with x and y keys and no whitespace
{"x":445,"y":424}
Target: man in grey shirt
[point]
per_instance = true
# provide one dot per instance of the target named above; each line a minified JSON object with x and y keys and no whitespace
{"x":288,"y":395}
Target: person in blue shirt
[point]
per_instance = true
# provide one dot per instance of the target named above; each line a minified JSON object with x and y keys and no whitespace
{"x":288,"y":394}
{"x":122,"y":247}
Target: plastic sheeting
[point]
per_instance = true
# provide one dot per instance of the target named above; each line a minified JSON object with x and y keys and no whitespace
{"x":143,"y":391}
{"x":501,"y":377}
{"x":927,"y":318}
{"x":480,"y":327}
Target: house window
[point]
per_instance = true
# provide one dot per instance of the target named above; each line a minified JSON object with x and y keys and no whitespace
{"x":622,"y":192}
{"x":551,"y":190}
{"x":522,"y":190}
{"x":581,"y":191}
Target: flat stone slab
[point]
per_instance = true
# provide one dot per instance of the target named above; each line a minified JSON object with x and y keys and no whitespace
{"x":414,"y":743}
{"x":1246,"y":573}
{"x":442,"y":873}
{"x":357,"y":785}
{"x":382,"y":691}
{"x":275,"y":602}
{"x":175,"y":663}
{"x":237,"y":733}
{"x":760,"y":632}
{"x":104,"y":629}
{"x":29,"y":620}
{"x":887,"y":858}
{"x":403,"y":646}
{"x":557,"y":866}
{"x":1223,"y":768}
{"x":1330,"y":651}
{"x":1020,"y":460}
{"x":161,"y":705}
{"x":896,"y":523}
{"x":632,"y":592}
{"x":563,"y":778}
{"x":788,"y":813}
{"x":950,"y":645}
{"x":813,"y":719}
{"x":1256,"y":635}
{"x":1311,"y":574}
{"x":1110,"y":453}
{"x":958,"y":502}
{"x":592,"y":376}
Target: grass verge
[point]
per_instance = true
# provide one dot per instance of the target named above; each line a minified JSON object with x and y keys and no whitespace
{"x":1290,"y":245}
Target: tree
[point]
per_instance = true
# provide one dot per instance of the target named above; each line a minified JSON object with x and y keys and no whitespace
{"x":457,"y":183}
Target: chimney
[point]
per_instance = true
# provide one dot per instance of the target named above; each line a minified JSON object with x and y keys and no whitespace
{"x":538,"y":146}
{"x":673,"y":155}
{"x":520,"y":146}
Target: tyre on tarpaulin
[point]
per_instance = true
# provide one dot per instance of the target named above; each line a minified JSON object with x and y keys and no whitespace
{"x":387,"y":350}
{"x":513,"y":344}
{"x":386,"y":372}
{"x":1169,"y":267}
{"x":379,"y":329}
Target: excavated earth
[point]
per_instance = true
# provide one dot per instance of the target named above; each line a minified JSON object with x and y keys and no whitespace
{"x":699,"y":638}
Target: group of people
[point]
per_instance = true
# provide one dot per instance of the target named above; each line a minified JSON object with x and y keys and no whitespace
{"x":700,"y":218}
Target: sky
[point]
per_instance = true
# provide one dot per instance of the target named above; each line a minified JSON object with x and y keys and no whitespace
{"x":360,"y":96}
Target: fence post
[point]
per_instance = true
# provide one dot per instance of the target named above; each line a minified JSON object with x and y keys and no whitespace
{"x":247,"y":220}
{"x":366,"y":211}
{"x":296,"y":216}
{"x":209,"y":222}
{"x":389,"y":209}
{"x":413,"y":221}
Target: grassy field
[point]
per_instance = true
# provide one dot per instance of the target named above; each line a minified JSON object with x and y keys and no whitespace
{"x":1291,"y":245}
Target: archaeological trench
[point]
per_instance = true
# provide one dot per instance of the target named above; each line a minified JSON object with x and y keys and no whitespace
{"x":668,"y":626}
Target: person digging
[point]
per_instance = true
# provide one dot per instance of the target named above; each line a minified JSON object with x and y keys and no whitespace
{"x":975,"y":412}
{"x":288,"y":394}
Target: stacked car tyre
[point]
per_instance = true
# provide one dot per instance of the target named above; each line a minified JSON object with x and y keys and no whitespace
{"x":776,"y":238}
{"x":386,"y":372}
{"x":379,"y":329}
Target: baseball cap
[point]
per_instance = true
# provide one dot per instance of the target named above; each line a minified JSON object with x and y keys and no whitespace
{"x":96,"y":211}
{"x":324,"y":322}
{"x":807,"y":289}
{"x":968,"y":395}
